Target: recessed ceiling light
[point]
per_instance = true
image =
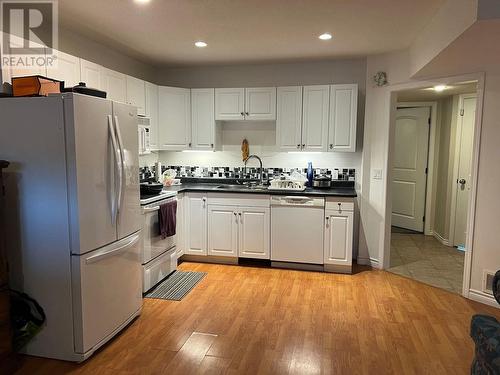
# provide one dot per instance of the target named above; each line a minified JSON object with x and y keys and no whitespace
{"x":439,"y":88}
{"x":325,"y":36}
{"x":142,"y":1}
{"x":200,"y":44}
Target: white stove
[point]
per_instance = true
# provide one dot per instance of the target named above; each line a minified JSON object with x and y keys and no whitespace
{"x":158,"y":254}
{"x":153,"y":198}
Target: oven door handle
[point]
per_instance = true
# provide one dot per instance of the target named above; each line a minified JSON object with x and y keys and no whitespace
{"x":151,"y":209}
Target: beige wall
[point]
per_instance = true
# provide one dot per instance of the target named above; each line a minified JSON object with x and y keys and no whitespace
{"x":77,"y":45}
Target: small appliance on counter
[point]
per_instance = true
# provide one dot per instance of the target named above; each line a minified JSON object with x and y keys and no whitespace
{"x":322,"y":182}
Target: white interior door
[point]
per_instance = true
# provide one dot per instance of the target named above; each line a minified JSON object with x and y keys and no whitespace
{"x":464,"y":155}
{"x":409,"y":168}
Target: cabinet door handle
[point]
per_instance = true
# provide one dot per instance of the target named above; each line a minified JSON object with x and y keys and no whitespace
{"x":331,"y":146}
{"x":189,"y":144}
{"x":298,"y":146}
{"x":303,"y":145}
{"x":212,"y":145}
{"x":327,"y":220}
{"x":246,"y":113}
{"x":242,"y":113}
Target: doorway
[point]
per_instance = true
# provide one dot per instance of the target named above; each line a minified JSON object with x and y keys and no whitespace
{"x":431,"y":183}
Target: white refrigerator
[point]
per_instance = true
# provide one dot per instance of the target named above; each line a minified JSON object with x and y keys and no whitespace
{"x":74,"y":234}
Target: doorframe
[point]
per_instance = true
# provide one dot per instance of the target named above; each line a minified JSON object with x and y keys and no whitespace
{"x":456,"y":151}
{"x":471,"y":212}
{"x":431,"y":157}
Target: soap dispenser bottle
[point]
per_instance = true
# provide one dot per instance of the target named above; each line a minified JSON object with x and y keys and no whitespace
{"x":310,"y":174}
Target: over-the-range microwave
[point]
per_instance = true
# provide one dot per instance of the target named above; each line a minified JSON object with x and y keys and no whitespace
{"x":144,"y":130}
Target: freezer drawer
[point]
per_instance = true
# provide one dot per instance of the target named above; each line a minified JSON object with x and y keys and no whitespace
{"x":107,"y":290}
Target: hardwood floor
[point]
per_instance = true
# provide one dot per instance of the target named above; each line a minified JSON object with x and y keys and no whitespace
{"x":247,"y":320}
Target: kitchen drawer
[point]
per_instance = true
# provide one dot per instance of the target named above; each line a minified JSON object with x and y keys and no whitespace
{"x":340,"y":204}
{"x":159,"y":268}
{"x":235,"y":199}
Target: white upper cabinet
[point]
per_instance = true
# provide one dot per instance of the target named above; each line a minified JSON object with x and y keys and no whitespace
{"x":257,"y":103}
{"x":260,"y":103}
{"x":174,"y":118}
{"x":136,"y":94}
{"x":114,"y":83}
{"x":289,"y":118}
{"x":66,"y":68}
{"x":230,"y":104}
{"x":202,"y":118}
{"x":343,"y":115}
{"x":315,"y":118}
{"x":152,"y":113}
{"x":90,"y":74}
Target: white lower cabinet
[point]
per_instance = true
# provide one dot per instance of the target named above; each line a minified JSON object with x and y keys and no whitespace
{"x":254,"y":232}
{"x":195,"y":224}
{"x":338,"y":239}
{"x":238,"y":229}
{"x":222,"y":231}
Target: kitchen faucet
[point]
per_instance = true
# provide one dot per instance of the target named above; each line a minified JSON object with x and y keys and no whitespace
{"x":261,"y":169}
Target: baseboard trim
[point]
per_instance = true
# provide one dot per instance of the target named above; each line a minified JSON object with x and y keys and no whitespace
{"x":368,"y":262}
{"x":441,"y":239}
{"x":487,"y":299}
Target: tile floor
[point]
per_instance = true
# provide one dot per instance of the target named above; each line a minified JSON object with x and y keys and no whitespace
{"x":425,"y":259}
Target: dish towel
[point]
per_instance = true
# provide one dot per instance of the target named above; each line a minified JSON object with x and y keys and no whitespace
{"x":167,"y":218}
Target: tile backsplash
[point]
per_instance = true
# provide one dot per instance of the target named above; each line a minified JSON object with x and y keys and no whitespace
{"x":344,"y":174}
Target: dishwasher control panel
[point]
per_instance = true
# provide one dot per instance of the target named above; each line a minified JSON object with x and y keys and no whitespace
{"x":297,"y":200}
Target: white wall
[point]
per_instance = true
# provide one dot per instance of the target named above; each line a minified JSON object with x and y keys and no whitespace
{"x":374,"y":228}
{"x":80,"y":46}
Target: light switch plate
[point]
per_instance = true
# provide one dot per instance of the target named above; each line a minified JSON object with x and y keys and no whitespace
{"x":377,"y":174}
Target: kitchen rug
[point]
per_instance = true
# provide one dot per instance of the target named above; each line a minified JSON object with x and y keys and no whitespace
{"x":176,"y":286}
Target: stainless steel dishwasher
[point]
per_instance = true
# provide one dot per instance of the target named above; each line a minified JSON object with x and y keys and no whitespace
{"x":297,"y":230}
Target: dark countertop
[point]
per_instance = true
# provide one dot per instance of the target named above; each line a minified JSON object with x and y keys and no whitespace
{"x":217,"y":188}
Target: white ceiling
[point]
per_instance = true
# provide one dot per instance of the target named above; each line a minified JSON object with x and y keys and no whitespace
{"x":162,"y":32}
{"x":427,"y":94}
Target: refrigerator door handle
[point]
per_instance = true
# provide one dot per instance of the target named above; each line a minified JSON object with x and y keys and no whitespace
{"x":114,"y":251}
{"x":114,"y":203}
{"x":122,"y":163}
